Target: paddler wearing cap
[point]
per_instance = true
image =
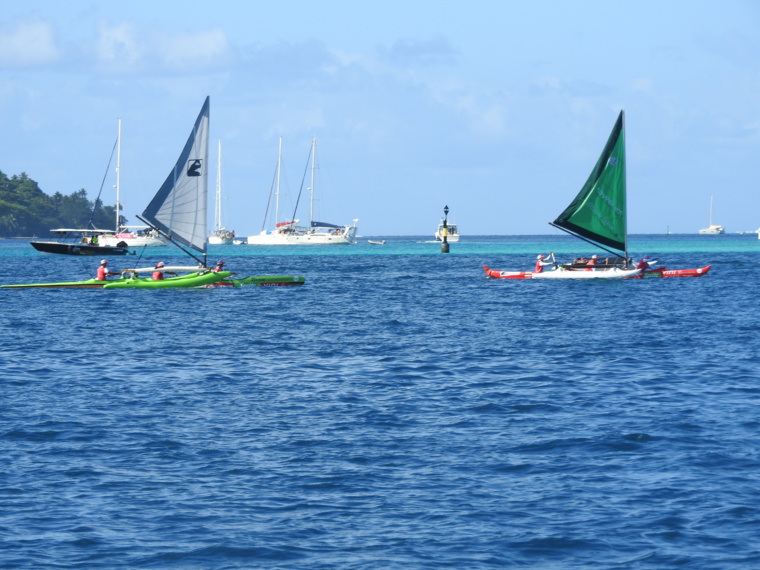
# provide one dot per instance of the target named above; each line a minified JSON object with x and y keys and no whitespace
{"x":103,"y":272}
{"x":542,"y":260}
{"x":219,"y":267}
{"x":158,"y":274}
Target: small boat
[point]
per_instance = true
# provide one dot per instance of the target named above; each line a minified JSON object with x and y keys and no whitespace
{"x":597,"y":215}
{"x":712,"y":229}
{"x":79,"y":242}
{"x":289,"y":232}
{"x":127,"y":236}
{"x":220,"y":235}
{"x":178,"y":213}
{"x":376,"y":242}
{"x":452,"y":232}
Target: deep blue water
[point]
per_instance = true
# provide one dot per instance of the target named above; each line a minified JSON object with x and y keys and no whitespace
{"x":397,"y":411}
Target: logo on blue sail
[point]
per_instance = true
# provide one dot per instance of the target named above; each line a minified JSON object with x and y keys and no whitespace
{"x":194,"y":167}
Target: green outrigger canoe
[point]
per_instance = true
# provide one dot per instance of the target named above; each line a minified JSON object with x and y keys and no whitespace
{"x":205,"y":280}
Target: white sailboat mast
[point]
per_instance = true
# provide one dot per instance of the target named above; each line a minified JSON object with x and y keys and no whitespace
{"x":118,"y":175}
{"x":218,"y":204}
{"x":277,"y":191}
{"x":311,"y":189}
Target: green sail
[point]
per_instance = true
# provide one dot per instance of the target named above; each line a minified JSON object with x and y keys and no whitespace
{"x":598,"y":212}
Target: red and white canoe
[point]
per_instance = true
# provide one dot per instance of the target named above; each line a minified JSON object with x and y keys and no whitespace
{"x":665,"y":272}
{"x":561,"y":273}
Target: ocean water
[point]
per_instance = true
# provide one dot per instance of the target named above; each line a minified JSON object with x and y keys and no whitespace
{"x":397,"y":411}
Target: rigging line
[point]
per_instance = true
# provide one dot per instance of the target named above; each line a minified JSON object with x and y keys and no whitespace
{"x":95,"y":205}
{"x":303,"y":179}
{"x":269,"y":202}
{"x":137,"y":261}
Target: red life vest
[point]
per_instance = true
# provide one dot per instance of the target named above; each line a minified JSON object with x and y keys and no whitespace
{"x":102,"y":273}
{"x":158,"y":276}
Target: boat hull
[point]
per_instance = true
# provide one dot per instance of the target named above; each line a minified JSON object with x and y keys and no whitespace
{"x":611,"y":273}
{"x":181,"y":282}
{"x":77,"y":248}
{"x":309,"y":238}
{"x":132,"y":240}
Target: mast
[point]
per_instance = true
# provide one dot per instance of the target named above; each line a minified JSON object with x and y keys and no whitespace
{"x":311,"y":189}
{"x":218,"y":203}
{"x":277,"y":191}
{"x":118,"y":175}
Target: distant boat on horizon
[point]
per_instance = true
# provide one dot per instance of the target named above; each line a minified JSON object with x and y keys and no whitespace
{"x":712,"y":229}
{"x":220,"y":235}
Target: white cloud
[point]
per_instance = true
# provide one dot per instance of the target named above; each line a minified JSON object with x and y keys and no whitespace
{"x":117,"y":44}
{"x":123,"y":45}
{"x":189,"y":49}
{"x":30,"y":43}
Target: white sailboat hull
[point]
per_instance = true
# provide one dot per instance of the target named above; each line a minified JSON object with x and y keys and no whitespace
{"x":712,"y":230}
{"x":131,"y":240}
{"x":613,"y":273}
{"x":345,"y":237}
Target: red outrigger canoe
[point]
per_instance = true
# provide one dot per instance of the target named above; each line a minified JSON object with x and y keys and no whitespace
{"x":646,"y":274}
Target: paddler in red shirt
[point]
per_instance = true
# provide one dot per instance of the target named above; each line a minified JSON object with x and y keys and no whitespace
{"x":158,"y":274}
{"x":540,"y":262}
{"x":103,"y":272}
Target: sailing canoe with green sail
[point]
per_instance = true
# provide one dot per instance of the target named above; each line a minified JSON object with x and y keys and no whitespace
{"x":597,"y":215}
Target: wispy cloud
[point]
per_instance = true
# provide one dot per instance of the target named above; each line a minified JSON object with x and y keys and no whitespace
{"x":146,"y":49}
{"x":435,"y":51}
{"x":29,"y":43}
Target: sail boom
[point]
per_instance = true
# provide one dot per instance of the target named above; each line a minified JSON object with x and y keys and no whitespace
{"x":615,"y":248}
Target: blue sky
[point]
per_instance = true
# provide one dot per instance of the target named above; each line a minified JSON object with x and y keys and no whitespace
{"x":498,"y":109}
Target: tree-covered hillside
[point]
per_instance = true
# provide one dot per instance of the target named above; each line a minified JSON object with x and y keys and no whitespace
{"x":26,"y":211}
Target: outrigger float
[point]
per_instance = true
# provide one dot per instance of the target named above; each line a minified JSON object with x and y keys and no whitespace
{"x":598,"y":216}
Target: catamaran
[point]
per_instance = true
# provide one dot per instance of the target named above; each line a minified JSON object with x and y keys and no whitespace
{"x":290,"y":233}
{"x":220,"y":235}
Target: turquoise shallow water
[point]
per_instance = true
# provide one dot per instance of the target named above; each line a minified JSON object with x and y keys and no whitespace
{"x":399,"y":410}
